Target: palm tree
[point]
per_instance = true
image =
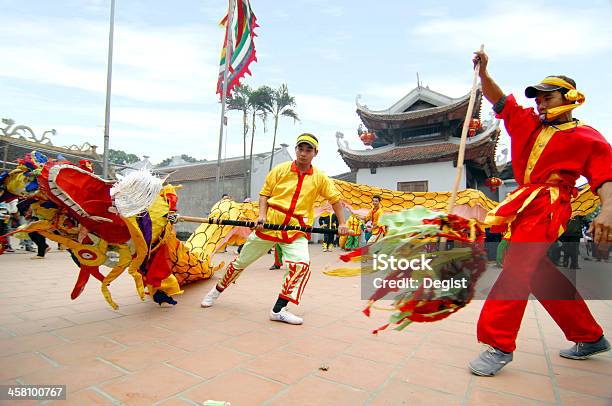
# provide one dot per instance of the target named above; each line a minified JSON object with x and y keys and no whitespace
{"x":261,"y":105}
{"x":241,"y":100}
{"x":282,"y":105}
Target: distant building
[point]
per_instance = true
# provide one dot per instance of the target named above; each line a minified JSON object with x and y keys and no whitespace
{"x":18,"y":140}
{"x":198,"y":180}
{"x":415,"y":142}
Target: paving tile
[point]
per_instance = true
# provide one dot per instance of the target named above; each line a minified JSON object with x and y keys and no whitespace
{"x":14,"y":366}
{"x":138,"y":335}
{"x":175,"y":401}
{"x":46,"y":313}
{"x":435,"y":376}
{"x":15,"y":345}
{"x":92,"y":316}
{"x":339,"y":331}
{"x":233,"y":352}
{"x":480,"y":397}
{"x":357,"y":372}
{"x":580,"y":381}
{"x":519,"y":383}
{"x":455,"y":339}
{"x":83,"y":331}
{"x":458,"y":357}
{"x":235,"y":326}
{"x":9,"y":319}
{"x":529,"y":362}
{"x":377,"y":351}
{"x":150,"y":385}
{"x":138,"y":357}
{"x":530,"y":345}
{"x":255,"y":343}
{"x":73,"y":353}
{"x":236,"y":387}
{"x":402,"y":393}
{"x":84,"y":397}
{"x":316,"y":347}
{"x":210,"y":362}
{"x":313,"y":391}
{"x":195,"y":340}
{"x":88,"y":373}
{"x":578,"y":399}
{"x":598,"y":364}
{"x":282,"y":366}
{"x":36,"y":326}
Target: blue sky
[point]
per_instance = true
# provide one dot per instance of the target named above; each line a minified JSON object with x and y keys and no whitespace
{"x":53,"y":73}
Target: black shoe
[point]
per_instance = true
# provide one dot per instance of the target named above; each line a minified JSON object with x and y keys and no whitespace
{"x":273,"y":267}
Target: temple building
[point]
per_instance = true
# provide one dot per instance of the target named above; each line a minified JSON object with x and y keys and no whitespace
{"x":414,"y":144}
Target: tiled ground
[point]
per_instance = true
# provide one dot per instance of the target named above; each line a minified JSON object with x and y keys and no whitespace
{"x":143,"y":354}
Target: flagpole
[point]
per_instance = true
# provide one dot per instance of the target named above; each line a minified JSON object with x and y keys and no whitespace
{"x":109,"y":74}
{"x":228,"y":57}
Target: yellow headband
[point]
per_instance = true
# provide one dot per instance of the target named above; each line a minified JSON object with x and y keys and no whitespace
{"x":309,"y":139}
{"x":572,"y":95}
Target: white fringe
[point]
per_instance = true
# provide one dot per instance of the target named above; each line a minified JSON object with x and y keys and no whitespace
{"x":135,"y":192}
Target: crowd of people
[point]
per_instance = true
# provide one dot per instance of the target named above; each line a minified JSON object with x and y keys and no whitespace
{"x":15,"y":213}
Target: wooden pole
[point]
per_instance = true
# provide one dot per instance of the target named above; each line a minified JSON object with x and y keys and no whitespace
{"x":464,"y":132}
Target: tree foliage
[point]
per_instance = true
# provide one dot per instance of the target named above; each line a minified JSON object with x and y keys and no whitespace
{"x":118,"y":157}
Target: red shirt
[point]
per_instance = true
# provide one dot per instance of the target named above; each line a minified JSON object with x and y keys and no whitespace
{"x":547,"y":160}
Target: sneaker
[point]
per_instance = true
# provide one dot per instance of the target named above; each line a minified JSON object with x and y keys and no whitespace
{"x":210,"y":297}
{"x":274,"y":266}
{"x":285,"y":316}
{"x":37,"y":257}
{"x":585,"y":350}
{"x":490,"y":362}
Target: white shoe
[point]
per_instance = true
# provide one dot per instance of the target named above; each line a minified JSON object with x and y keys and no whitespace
{"x":285,"y":316}
{"x":210,"y":297}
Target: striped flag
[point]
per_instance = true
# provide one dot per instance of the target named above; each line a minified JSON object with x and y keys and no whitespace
{"x":243,"y":47}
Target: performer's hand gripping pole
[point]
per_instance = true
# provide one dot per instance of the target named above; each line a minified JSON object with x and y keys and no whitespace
{"x":464,"y":133}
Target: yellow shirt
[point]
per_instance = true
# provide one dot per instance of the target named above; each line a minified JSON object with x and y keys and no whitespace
{"x":354,"y":225}
{"x":373,"y":216}
{"x":291,"y":197}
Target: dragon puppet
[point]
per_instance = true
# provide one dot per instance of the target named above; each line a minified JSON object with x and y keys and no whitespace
{"x":126,"y":224}
{"x":94,"y":219}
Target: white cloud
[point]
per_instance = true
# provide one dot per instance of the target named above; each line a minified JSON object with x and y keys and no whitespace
{"x":524,"y":29}
{"x":171,"y":64}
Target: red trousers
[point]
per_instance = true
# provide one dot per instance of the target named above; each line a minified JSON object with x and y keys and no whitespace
{"x":528,"y":270}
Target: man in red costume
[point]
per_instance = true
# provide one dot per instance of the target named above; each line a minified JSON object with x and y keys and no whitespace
{"x":550,"y":151}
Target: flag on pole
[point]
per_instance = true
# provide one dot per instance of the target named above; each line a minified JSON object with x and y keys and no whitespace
{"x":243,"y":47}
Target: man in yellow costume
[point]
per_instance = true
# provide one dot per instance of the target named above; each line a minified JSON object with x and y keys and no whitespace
{"x":373,"y":216}
{"x":354,"y":224}
{"x":287,"y":198}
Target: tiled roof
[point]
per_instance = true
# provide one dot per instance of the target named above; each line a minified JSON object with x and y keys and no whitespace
{"x":414,"y":154}
{"x":455,"y":110}
{"x":206,"y":170}
{"x":347,"y":176}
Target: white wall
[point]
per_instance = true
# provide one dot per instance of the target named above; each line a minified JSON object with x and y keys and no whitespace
{"x":440,"y":176}
{"x":508,"y":186}
{"x":261,"y":168}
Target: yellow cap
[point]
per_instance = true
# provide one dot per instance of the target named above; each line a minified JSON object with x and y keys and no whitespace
{"x":308,"y":139}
